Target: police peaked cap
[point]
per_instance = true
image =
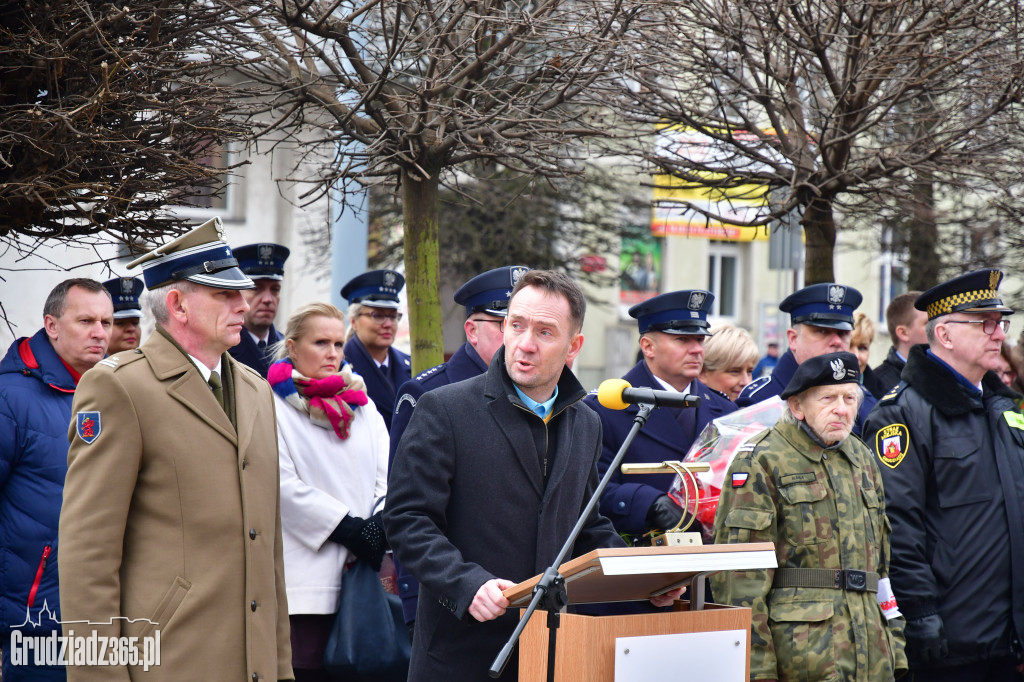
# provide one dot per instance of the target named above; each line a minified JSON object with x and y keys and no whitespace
{"x":823,"y":305}
{"x":262,"y":261}
{"x":490,"y":291}
{"x":200,"y":256}
{"x":677,"y":312}
{"x":824,"y":370}
{"x":975,"y":292}
{"x":376,"y":288}
{"x":125,"y":293}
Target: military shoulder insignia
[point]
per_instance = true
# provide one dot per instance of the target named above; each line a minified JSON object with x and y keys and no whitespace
{"x":109,"y":361}
{"x":739,"y":479}
{"x":88,"y":425}
{"x":892,"y":443}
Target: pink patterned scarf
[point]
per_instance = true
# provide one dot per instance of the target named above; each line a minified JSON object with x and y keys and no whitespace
{"x":330,"y":402}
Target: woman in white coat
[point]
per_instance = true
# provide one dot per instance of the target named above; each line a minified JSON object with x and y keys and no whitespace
{"x":334,"y":457}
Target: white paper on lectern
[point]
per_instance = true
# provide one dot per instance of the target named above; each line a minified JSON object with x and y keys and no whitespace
{"x":720,"y":656}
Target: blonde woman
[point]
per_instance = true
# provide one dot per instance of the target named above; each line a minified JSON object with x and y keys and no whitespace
{"x":730,"y":354}
{"x":860,"y":345}
{"x":333,"y":449}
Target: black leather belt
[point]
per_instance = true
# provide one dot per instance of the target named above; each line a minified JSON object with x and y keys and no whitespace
{"x":836,"y":578}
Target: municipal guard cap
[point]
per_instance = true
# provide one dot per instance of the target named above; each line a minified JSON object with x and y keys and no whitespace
{"x":824,"y":370}
{"x":823,"y":305}
{"x":677,"y":312}
{"x":376,"y":288}
{"x":262,"y":261}
{"x":975,"y":292}
{"x":489,"y":291}
{"x":201,"y":256}
{"x":125,"y":293}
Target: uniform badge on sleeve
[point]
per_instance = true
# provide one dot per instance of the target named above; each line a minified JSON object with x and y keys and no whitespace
{"x":892,"y":443}
{"x":88,"y":426}
{"x":739,"y":479}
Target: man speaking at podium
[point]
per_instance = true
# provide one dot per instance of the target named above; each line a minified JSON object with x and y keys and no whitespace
{"x":489,"y":480}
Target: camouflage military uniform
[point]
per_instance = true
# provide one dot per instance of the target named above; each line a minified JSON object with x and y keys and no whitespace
{"x":823,"y":509}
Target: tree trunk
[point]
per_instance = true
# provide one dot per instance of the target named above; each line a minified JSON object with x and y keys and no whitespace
{"x":422,"y":271}
{"x":923,"y":236}
{"x":820,"y":241}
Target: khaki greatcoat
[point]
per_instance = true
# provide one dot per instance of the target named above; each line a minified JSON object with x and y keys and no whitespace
{"x":173,"y":515}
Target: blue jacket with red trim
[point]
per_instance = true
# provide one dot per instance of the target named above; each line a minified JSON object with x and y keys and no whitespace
{"x":36,"y":390}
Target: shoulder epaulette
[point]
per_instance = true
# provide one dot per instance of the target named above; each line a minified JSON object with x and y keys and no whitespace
{"x":893,"y":393}
{"x":430,"y":372}
{"x":756,"y":385}
{"x":122,"y":359}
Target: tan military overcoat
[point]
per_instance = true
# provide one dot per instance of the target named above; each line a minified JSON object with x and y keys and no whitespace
{"x":171,"y":515}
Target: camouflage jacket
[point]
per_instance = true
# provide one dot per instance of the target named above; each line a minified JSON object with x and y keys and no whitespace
{"x":822,"y":509}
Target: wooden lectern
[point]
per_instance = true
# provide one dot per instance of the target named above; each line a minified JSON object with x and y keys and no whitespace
{"x":592,"y":648}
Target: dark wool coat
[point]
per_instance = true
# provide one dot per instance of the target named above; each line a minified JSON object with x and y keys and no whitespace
{"x":248,"y":353}
{"x":468,"y":502}
{"x":465,"y":363}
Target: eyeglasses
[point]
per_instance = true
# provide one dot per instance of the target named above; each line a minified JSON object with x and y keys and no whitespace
{"x":477,"y":319}
{"x":988,"y":326}
{"x":379,"y":316}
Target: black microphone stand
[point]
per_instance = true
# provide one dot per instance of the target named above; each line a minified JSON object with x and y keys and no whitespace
{"x":550,"y":590}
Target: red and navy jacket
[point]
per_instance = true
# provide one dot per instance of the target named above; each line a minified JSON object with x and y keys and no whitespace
{"x":36,"y":390}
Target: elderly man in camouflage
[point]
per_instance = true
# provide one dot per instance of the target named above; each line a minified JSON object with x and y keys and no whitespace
{"x":827,"y":612}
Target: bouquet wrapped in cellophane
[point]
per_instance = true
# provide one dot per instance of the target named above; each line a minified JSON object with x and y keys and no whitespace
{"x":716,"y":445}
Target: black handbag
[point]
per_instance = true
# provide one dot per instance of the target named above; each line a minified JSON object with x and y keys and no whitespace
{"x":369,"y":637}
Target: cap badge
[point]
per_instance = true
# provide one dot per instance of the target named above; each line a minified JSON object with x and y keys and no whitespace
{"x":389,"y":279}
{"x":838,"y":369}
{"x":696,"y":301}
{"x":993,"y":279}
{"x":266,"y":252}
{"x":836,"y":294}
{"x":127,"y":286}
{"x":516,"y":274}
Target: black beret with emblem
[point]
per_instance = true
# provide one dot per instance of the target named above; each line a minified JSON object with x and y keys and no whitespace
{"x":262,"y":261}
{"x":823,"y":305}
{"x":125,"y":293}
{"x":824,"y":370}
{"x":677,"y":312}
{"x":975,"y":292}
{"x":376,"y":288}
{"x":489,"y":291}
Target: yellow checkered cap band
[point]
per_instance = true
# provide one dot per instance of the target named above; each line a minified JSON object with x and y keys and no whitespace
{"x":947,"y":305}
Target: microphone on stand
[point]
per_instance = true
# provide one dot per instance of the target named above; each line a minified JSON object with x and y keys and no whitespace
{"x":617,"y":394}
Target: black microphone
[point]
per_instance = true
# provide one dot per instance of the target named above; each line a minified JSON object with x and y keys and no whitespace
{"x":616,"y":394}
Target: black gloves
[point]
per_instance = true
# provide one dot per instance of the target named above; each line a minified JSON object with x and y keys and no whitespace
{"x":664,"y":514}
{"x":926,"y":640}
{"x":363,"y":537}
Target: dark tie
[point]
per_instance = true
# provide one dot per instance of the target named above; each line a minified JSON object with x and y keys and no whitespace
{"x":687,"y":418}
{"x":262,"y":345}
{"x":217,"y":388}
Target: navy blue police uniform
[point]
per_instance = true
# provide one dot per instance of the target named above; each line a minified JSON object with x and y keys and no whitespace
{"x":377,"y":289}
{"x":488,"y":292}
{"x":259,"y":261}
{"x":669,"y":431}
{"x":821,"y":305}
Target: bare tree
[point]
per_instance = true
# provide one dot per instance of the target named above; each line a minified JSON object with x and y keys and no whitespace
{"x":107,"y":115}
{"x":822,"y":101}
{"x":411,"y":91}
